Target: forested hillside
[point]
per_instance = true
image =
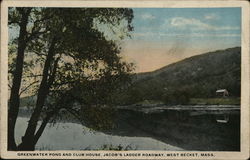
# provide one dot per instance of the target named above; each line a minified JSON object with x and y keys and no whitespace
{"x":195,"y":77}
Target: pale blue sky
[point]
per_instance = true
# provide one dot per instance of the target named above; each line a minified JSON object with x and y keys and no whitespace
{"x":162,"y":36}
{"x":165,"y":35}
{"x":224,"y":22}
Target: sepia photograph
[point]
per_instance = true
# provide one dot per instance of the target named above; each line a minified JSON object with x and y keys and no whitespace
{"x":111,"y":81}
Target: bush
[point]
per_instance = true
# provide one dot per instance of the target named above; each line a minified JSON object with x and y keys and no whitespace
{"x":176,"y":97}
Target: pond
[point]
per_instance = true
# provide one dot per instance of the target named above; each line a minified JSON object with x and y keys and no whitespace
{"x":73,"y":136}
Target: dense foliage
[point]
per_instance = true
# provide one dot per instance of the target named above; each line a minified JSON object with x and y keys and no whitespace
{"x":68,"y":59}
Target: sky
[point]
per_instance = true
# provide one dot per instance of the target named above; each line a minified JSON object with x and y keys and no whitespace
{"x":163,"y":36}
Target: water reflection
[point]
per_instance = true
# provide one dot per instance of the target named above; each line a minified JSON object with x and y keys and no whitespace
{"x":72,"y":136}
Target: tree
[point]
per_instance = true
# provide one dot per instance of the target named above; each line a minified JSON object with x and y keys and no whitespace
{"x":77,"y":62}
{"x":18,"y":16}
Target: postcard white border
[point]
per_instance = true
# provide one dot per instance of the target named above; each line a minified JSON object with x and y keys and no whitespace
{"x":245,"y":77}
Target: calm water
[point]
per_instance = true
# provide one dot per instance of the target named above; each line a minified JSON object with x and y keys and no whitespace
{"x":72,"y":136}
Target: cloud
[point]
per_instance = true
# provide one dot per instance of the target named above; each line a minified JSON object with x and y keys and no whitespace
{"x":211,"y":16}
{"x":156,"y":34}
{"x":195,"y":24}
{"x":147,"y":16}
{"x":212,"y":35}
{"x":189,"y":22}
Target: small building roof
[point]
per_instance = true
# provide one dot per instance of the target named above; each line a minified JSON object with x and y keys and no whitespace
{"x":221,"y":90}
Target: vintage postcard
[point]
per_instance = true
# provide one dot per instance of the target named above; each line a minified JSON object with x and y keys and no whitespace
{"x":124,"y":79}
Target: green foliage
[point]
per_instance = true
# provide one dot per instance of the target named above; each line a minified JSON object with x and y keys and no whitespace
{"x":76,"y":57}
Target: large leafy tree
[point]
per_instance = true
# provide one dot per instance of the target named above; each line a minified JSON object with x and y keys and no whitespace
{"x":66,"y":57}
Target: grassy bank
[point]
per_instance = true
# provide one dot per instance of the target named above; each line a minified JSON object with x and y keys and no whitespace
{"x":198,"y":101}
{"x":215,"y":101}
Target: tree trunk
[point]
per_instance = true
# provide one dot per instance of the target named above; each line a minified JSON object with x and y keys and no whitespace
{"x":43,"y":125}
{"x":29,"y":140}
{"x":14,"y":101}
{"x":30,"y":145}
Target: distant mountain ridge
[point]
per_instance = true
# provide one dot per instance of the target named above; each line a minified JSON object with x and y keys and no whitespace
{"x":197,"y":76}
{"x":193,"y":58}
